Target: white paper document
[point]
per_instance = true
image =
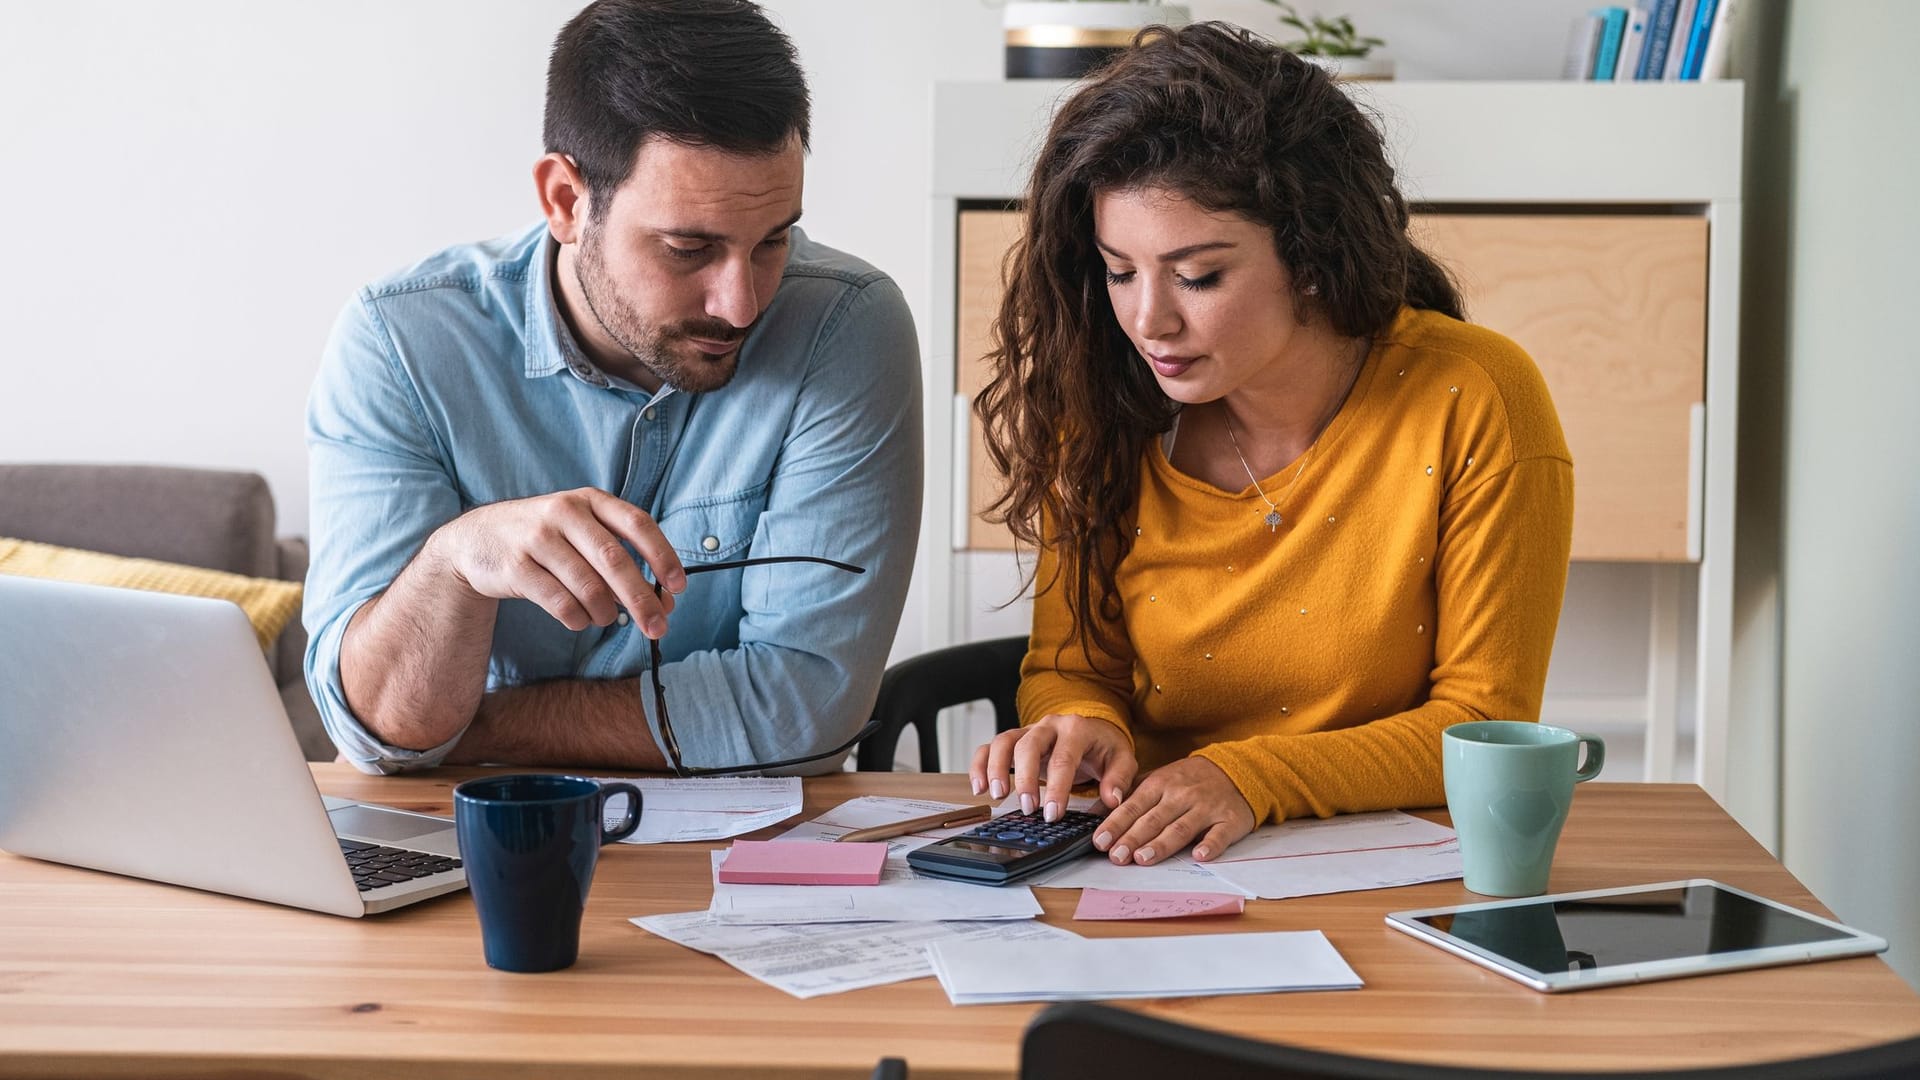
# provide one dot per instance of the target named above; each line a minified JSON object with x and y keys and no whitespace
{"x":676,"y":811}
{"x":831,"y":958}
{"x":1192,"y":965}
{"x":1345,"y":853}
{"x":870,"y":810}
{"x":901,"y":896}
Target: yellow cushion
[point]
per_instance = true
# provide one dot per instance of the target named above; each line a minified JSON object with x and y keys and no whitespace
{"x":267,"y":602}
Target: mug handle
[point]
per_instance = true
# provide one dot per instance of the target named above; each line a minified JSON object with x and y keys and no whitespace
{"x":1596,"y":757}
{"x":629,"y":824}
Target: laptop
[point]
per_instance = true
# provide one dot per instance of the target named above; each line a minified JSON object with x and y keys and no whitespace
{"x":141,"y":733}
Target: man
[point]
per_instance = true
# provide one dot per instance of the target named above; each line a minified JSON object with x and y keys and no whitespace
{"x":509,"y":439}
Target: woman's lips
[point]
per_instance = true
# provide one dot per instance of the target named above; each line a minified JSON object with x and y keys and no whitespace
{"x":1168,"y":366}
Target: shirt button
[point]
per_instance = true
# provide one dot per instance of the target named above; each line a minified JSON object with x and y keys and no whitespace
{"x":711,"y":543}
{"x":623,"y":618}
{"x":648,"y":414}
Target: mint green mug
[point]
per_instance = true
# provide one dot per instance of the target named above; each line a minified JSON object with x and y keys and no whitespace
{"x":1509,"y":784}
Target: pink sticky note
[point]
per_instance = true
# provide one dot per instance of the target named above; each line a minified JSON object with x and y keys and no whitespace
{"x":802,"y":862}
{"x":1123,"y":904}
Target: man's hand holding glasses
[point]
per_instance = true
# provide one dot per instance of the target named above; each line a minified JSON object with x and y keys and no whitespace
{"x":568,"y":553}
{"x":671,"y":745}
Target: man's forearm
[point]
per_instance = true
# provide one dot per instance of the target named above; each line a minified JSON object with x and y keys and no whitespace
{"x":413,"y":661}
{"x":577,"y":722}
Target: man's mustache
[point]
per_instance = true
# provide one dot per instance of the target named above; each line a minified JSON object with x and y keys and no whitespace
{"x":711,"y":330}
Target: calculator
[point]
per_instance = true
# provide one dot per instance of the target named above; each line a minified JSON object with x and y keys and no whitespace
{"x":1008,"y":848}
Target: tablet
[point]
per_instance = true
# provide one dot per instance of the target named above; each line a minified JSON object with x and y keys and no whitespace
{"x":1604,"y":937}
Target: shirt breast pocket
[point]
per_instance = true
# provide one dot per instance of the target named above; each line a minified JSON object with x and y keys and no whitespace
{"x":714,"y":530}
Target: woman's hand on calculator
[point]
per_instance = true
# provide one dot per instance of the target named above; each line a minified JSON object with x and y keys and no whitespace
{"x":1175,"y":804}
{"x":1063,"y":750}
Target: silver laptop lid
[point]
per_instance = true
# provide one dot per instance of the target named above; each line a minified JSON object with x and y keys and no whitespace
{"x":142,"y":733}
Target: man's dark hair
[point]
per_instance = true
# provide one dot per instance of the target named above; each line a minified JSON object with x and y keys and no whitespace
{"x":713,"y":73}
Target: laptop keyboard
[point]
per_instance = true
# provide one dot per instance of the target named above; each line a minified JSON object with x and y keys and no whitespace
{"x":376,"y":867}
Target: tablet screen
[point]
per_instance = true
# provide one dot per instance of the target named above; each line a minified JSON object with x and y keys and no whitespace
{"x":1630,"y":928}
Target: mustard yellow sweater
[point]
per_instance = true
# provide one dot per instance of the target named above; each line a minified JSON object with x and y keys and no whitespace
{"x":1415,"y":584}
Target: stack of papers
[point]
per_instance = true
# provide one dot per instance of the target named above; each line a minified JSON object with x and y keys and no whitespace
{"x":1347,"y":853}
{"x":677,"y":811}
{"x":1304,"y":857}
{"x":982,"y":943}
{"x":831,"y":958}
{"x":991,"y":972}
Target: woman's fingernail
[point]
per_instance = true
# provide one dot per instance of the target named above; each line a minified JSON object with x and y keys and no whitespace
{"x":977,"y":786}
{"x":1145,"y":856}
{"x":1103,"y":840}
{"x":999,"y":789}
{"x":1120,"y":854}
{"x":1199,"y":853}
{"x":1053,"y":811}
{"x":1115,"y":795}
{"x":656,"y":626}
{"x":1026,"y":803}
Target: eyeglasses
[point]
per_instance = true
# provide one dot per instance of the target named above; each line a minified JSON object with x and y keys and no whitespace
{"x":672,"y":745}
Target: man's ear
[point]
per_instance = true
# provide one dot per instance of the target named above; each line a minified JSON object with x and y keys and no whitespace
{"x":563,"y":196}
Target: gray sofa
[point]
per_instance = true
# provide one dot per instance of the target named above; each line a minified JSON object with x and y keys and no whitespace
{"x":214,"y":518}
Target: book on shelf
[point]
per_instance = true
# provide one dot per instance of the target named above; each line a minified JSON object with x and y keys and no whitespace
{"x":1697,"y":40}
{"x":1713,"y":61}
{"x":1661,"y":40}
{"x":1633,"y":43}
{"x":1653,"y":58}
{"x":1677,"y":46}
{"x":1583,"y":38}
{"x":1606,"y":52}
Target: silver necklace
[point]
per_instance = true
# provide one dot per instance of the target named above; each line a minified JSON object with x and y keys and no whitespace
{"x":1273,"y":518}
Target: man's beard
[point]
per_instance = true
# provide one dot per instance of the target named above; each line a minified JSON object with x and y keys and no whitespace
{"x":663,"y":350}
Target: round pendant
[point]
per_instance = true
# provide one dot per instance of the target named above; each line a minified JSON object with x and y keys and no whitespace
{"x":1273,"y":520}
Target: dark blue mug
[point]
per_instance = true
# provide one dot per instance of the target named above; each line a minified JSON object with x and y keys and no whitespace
{"x":530,"y":843}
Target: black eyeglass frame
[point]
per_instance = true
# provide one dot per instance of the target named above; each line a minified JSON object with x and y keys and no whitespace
{"x":672,"y":745}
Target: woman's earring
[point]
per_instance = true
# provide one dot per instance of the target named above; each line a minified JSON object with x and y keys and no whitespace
{"x":1311,"y":290}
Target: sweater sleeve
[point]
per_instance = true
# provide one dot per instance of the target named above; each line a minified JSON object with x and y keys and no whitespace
{"x":1500,"y":572}
{"x":1058,"y":675}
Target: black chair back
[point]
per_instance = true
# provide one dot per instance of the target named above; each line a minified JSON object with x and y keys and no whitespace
{"x":913,"y":691}
{"x":1083,"y":1041}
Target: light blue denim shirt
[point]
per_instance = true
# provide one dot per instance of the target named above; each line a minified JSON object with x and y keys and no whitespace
{"x":456,"y":383}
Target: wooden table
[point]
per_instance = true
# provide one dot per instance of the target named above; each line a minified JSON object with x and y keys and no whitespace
{"x":108,"y":976}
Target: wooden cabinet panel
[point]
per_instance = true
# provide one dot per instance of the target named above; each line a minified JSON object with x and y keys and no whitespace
{"x":1612,"y":307}
{"x":985,"y":237}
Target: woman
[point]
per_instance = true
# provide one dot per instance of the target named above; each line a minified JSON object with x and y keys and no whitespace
{"x":1294,"y":515}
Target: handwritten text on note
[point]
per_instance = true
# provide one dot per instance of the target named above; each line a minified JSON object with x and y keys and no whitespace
{"x":1123,"y":904}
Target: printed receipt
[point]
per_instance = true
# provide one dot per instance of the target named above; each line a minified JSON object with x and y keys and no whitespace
{"x":677,"y":811}
{"x":810,"y":960}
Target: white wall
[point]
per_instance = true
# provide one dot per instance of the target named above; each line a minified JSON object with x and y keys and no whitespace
{"x":197,"y":186}
{"x":1850,"y":578}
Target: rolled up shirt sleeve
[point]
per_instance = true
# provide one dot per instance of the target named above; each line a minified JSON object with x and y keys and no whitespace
{"x":378,"y":489}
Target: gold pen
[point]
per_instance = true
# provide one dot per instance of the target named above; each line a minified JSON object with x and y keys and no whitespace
{"x":945,"y":819}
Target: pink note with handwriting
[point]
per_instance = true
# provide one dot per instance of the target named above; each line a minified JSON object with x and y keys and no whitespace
{"x":1124,"y":904}
{"x":802,"y":862}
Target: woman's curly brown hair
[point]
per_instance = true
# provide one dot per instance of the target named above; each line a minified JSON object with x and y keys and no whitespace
{"x":1229,"y":120}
